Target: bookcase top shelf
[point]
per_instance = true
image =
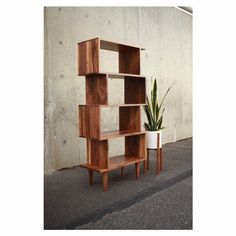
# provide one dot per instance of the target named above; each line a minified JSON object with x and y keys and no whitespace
{"x":112,"y":46}
{"x":90,"y":56}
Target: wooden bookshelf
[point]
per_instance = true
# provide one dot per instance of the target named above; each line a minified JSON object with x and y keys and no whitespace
{"x":89,"y":115}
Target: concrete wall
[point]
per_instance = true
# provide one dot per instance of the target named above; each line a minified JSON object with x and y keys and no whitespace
{"x":165,"y":33}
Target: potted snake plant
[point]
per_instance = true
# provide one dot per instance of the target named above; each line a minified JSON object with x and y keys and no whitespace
{"x":154,"y":113}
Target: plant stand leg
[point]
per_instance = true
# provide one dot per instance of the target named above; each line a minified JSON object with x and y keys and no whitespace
{"x":158,"y":162}
{"x":147,"y":159}
{"x":137,"y":168}
{"x":122,"y":171}
{"x":144,"y":166}
{"x":105,"y":181}
{"x":161,"y":161}
{"x":90,"y":177}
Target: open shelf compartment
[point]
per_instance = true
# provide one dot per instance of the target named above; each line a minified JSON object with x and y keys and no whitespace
{"x":90,"y":122}
{"x":89,"y":60}
{"x":97,"y":88}
{"x":115,"y":163}
{"x":97,"y":154}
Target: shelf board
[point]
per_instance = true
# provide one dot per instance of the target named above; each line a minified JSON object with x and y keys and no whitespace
{"x":118,"y":133}
{"x":112,"y":46}
{"x":114,"y":105}
{"x":124,"y":105}
{"x":123,"y":160}
{"x":113,"y":75}
{"x":122,"y":75}
{"x":115,"y":163}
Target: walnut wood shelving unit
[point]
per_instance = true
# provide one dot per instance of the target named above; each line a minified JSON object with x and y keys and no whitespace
{"x":97,"y":97}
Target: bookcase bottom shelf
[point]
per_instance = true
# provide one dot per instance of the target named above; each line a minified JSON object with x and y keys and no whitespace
{"x":115,"y":163}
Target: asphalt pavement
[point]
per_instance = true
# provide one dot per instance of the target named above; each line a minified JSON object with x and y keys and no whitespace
{"x":152,"y":202}
{"x":167,"y":209}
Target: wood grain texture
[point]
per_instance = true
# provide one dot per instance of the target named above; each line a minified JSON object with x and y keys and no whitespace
{"x":158,"y":162}
{"x":161,"y":159}
{"x":89,"y":121}
{"x":105,"y":181}
{"x":147,"y":159}
{"x":129,"y":113}
{"x":135,"y":146}
{"x":88,"y":142}
{"x":129,"y":61}
{"x":130,"y":119}
{"x":96,"y":89}
{"x":88,"y":56}
{"x":90,"y":118}
{"x":99,"y":153}
{"x":135,"y":90}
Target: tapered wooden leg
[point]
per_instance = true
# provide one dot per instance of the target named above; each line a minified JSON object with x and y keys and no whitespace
{"x":90,"y":177}
{"x":158,"y":162}
{"x":161,"y":157}
{"x":147,"y":159}
{"x":122,"y":171}
{"x":137,"y":169}
{"x":105,"y":181}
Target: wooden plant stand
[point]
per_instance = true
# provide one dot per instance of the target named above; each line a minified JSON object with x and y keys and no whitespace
{"x":97,"y":98}
{"x":159,"y":161}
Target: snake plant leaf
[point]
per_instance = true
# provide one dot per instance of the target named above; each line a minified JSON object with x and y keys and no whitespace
{"x":149,"y":115}
{"x":148,"y":103}
{"x":157,"y":112}
{"x":150,"y":112}
{"x":159,"y":123}
{"x":146,"y":126}
{"x":166,"y":94}
{"x":153,"y":110}
{"x":154,"y":99}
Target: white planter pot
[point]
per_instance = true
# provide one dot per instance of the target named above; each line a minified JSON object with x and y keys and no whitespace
{"x":152,"y":139}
